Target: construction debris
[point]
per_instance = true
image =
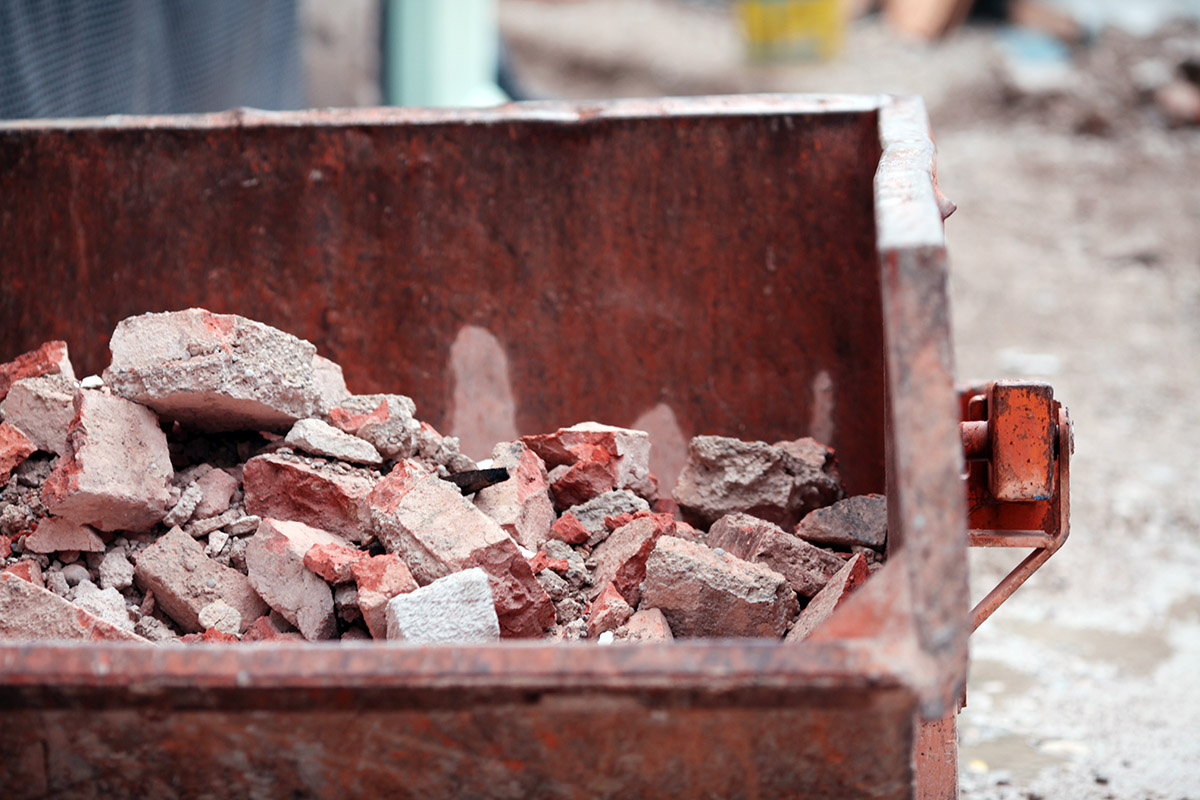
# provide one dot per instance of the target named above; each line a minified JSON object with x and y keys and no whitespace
{"x":222,"y":484}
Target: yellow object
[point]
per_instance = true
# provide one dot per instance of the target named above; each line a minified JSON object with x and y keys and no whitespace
{"x":779,"y":30}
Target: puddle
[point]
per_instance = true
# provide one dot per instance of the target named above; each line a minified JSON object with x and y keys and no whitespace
{"x":1013,"y":754}
{"x":1134,"y":653}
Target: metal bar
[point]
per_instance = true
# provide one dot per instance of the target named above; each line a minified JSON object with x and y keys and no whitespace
{"x":1011,"y":539}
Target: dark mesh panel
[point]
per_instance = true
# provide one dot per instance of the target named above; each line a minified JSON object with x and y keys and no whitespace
{"x":73,"y":58}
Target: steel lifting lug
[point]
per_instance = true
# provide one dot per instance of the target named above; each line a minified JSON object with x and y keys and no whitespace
{"x":1017,"y":444}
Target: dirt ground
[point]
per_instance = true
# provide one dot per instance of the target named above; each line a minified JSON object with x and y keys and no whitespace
{"x":1076,"y":260}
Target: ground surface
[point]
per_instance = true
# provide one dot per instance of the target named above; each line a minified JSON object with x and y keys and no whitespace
{"x":1076,"y":260}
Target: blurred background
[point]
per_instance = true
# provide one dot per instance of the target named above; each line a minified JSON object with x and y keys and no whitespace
{"x":1069,"y":137}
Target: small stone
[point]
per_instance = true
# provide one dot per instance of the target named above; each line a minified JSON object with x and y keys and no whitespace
{"x":216,"y":543}
{"x":115,"y":571}
{"x":569,"y":610}
{"x":57,"y":583}
{"x":221,"y":616}
{"x":345,"y":602}
{"x":456,"y":609}
{"x":74,"y":574}
{"x":91,"y":382}
{"x":322,"y":439}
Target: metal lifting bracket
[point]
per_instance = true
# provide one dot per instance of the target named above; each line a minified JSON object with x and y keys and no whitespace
{"x":1017,"y":440}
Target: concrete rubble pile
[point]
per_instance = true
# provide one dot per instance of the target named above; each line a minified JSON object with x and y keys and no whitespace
{"x":219,"y":483}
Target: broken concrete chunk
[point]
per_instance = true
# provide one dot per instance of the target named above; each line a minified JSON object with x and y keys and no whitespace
{"x":384,"y":420}
{"x":185,"y":507}
{"x":807,"y":568}
{"x":705,"y":594}
{"x":621,"y":453}
{"x":456,"y":609}
{"x":105,"y":604}
{"x":852,"y":575}
{"x":28,"y":570}
{"x":49,"y":359}
{"x":115,"y":571}
{"x":54,"y":535}
{"x":520,"y":505}
{"x":15,"y":447}
{"x":28,"y":612}
{"x":223,"y":617}
{"x":199,"y":528}
{"x":117,"y":473}
{"x":620,"y":560}
{"x":275,"y":567}
{"x":216,"y":492}
{"x":184,"y":580}
{"x":437,"y":531}
{"x":42,"y":409}
{"x":215,"y":372}
{"x":329,"y":382}
{"x":332,"y":497}
{"x":779,"y":483}
{"x":591,"y":515}
{"x":322,"y":439}
{"x":609,"y":612}
{"x":855,"y":521}
{"x":379,"y":579}
{"x":648,"y":624}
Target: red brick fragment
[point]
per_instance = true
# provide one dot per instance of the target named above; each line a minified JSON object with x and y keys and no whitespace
{"x":623,"y":519}
{"x":214,"y":636}
{"x":49,"y":359}
{"x":609,"y":612}
{"x":541,"y":561}
{"x":821,"y":608}
{"x":621,"y":558}
{"x":806,"y":567}
{"x":15,"y":447}
{"x":350,"y":422}
{"x":54,"y":535}
{"x":333,"y":562}
{"x":264,"y":630}
{"x":521,"y":505}
{"x":28,"y":612}
{"x":5,"y":546}
{"x":27,"y":570}
{"x":592,"y":475}
{"x":379,"y":579}
{"x":569,"y":529}
{"x":332,"y":498}
{"x":623,"y":453}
